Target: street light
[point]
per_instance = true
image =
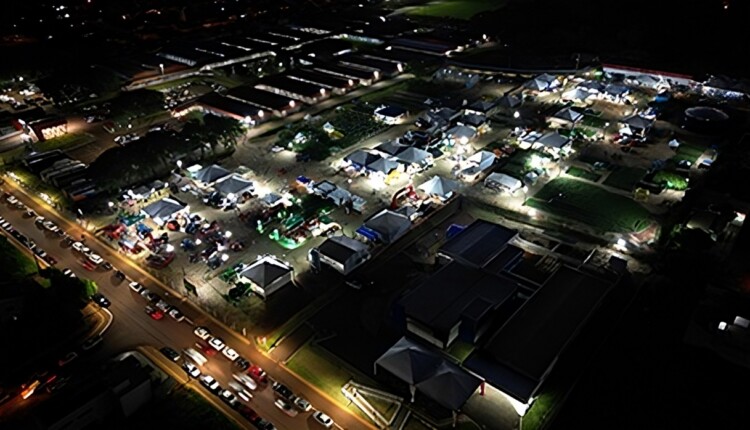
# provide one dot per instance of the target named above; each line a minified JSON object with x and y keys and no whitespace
{"x":179,"y":164}
{"x":228,"y":234}
{"x":224,"y":257}
{"x":516,"y":114}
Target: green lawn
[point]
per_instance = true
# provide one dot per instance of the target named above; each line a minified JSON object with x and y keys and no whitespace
{"x":16,"y":265}
{"x":459,"y":9}
{"x":520,"y":163}
{"x":624,"y":178}
{"x":318,"y":370}
{"x":460,"y":350}
{"x":583,"y":173}
{"x":537,"y":414}
{"x":181,"y":409}
{"x":689,"y":152}
{"x":589,"y":204}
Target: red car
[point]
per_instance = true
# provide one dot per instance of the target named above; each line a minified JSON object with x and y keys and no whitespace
{"x":206,"y":349}
{"x":154,"y":313}
{"x":258,"y":374}
{"x":248,"y":413}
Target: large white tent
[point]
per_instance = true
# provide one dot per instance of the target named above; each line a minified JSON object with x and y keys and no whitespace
{"x":439,"y":186}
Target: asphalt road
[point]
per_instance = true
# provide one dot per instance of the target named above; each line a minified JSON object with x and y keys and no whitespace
{"x":133,"y":327}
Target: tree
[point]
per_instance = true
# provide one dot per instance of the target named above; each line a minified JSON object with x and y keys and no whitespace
{"x":134,"y":104}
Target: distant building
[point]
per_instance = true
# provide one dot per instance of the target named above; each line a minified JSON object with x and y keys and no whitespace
{"x":294,"y":89}
{"x":390,"y":114}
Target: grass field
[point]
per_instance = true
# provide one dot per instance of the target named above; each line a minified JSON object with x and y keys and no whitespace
{"x":316,"y":369}
{"x":181,"y":409}
{"x":459,"y":9}
{"x":583,"y":174}
{"x":591,"y":205}
{"x":689,"y":152}
{"x":17,"y":266}
{"x":624,"y":178}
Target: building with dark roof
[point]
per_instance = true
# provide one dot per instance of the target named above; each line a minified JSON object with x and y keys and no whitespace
{"x":521,"y":354}
{"x":266,"y":276}
{"x":365,"y":77}
{"x":232,"y":108}
{"x":457,"y":302}
{"x":292,"y":88}
{"x":342,"y":253}
{"x":385,"y":68}
{"x":278,"y":105}
{"x":478,"y":244}
{"x":336,"y":84}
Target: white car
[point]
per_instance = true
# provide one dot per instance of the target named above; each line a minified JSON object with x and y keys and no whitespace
{"x":228,"y":397}
{"x":276,"y":149}
{"x":135,"y":287}
{"x":202,"y":333}
{"x":323,"y":419}
{"x":216,"y":343}
{"x":80,"y":247}
{"x":95,"y":258}
{"x":209,"y":382}
{"x":176,"y":314}
{"x":240,"y":390}
{"x":162,"y":306}
{"x":69,"y":273}
{"x":12,"y":200}
{"x":302,"y":404}
{"x":191,"y":369}
{"x":230,"y":353}
{"x":196,"y":356}
{"x":285,"y":407}
{"x":245,"y":380}
{"x":50,"y":226}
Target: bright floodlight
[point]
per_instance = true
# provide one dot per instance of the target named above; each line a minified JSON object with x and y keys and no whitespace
{"x":198,"y":241}
{"x":170,"y":247}
{"x":722,"y":326}
{"x":224,"y":257}
{"x":464,"y":140}
{"x":291,"y":103}
{"x":228,"y":234}
{"x":110,"y":204}
{"x":516,"y":114}
{"x":621,"y":243}
{"x":179,"y":163}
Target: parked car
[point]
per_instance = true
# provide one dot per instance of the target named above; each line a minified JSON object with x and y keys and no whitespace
{"x":323,"y":419}
{"x":154,"y":313}
{"x":229,"y":353}
{"x":285,"y":407}
{"x":241,"y":363}
{"x":210,"y":383}
{"x":176,"y":314}
{"x":282,"y":390}
{"x":191,"y":369}
{"x":170,"y":353}
{"x":228,"y":397}
{"x":216,"y":343}
{"x":302,"y":404}
{"x":202,"y":332}
{"x":136,"y":287}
